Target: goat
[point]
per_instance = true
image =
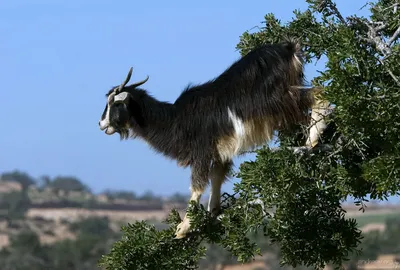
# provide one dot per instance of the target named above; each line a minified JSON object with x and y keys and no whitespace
{"x":211,"y":123}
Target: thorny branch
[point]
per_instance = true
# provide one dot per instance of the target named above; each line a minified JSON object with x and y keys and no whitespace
{"x":394,"y":37}
{"x":394,"y":6}
{"x":330,"y":6}
{"x":374,"y":38}
{"x":334,"y":9}
{"x":373,"y":31}
{"x":301,"y":149}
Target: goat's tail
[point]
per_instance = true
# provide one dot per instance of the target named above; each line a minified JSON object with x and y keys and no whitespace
{"x":293,"y":45}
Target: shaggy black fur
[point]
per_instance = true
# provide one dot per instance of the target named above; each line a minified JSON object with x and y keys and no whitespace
{"x":263,"y":88}
{"x":255,"y":86}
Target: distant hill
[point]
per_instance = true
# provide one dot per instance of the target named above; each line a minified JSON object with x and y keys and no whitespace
{"x":55,"y":209}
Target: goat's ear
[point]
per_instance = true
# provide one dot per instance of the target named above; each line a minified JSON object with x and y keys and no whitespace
{"x":121,"y":97}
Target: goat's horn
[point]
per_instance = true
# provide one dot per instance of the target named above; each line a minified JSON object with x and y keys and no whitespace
{"x":140,"y":82}
{"x":128,"y":77}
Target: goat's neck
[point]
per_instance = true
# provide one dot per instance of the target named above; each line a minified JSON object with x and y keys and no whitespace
{"x":158,"y":119}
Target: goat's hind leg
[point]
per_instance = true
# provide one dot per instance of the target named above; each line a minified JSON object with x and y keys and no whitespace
{"x":199,"y":181}
{"x":320,"y":110}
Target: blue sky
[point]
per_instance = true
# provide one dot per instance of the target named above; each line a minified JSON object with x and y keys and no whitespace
{"x":59,"y":58}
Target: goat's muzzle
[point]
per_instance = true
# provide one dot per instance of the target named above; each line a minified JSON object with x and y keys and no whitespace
{"x":110,"y":130}
{"x":101,"y":127}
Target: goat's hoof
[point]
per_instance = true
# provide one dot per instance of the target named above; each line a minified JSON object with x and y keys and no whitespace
{"x":179,"y":236}
{"x":182,"y":229}
{"x":314,"y":144}
{"x":311,"y":143}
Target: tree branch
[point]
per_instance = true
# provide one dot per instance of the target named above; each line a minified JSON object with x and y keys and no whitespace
{"x":394,"y":37}
{"x":320,"y":147}
{"x":394,"y":6}
{"x":300,"y":149}
{"x":375,"y":39}
{"x":328,"y":4}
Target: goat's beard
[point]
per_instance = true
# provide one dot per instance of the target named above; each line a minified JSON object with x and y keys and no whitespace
{"x":126,"y":133}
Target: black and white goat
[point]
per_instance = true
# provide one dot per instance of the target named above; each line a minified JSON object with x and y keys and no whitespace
{"x":211,"y":123}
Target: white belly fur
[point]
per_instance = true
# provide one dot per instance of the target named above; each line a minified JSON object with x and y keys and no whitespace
{"x":247,"y":135}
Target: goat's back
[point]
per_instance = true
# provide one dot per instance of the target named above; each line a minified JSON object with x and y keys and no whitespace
{"x":242,"y":107}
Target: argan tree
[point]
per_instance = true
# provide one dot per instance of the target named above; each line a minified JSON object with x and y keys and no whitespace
{"x":290,"y":193}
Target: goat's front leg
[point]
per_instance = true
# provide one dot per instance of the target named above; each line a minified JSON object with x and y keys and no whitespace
{"x":218,"y":175}
{"x":199,"y":181}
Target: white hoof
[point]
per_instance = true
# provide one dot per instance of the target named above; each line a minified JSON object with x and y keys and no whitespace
{"x":182,"y":229}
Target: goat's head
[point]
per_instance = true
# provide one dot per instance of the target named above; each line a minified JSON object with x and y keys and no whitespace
{"x":117,"y":113}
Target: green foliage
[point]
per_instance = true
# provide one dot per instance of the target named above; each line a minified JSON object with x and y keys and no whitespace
{"x":295,"y":198}
{"x":120,"y":194}
{"x":26,"y":252}
{"x":376,"y":242}
{"x":23,"y":178}
{"x":149,"y":196}
{"x":68,"y":183}
{"x":308,"y":222}
{"x":379,"y":218}
{"x":26,"y":241}
{"x":216,"y":255}
{"x":143,"y":247}
{"x":14,"y":205}
{"x":179,"y":198}
{"x":92,"y":225}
